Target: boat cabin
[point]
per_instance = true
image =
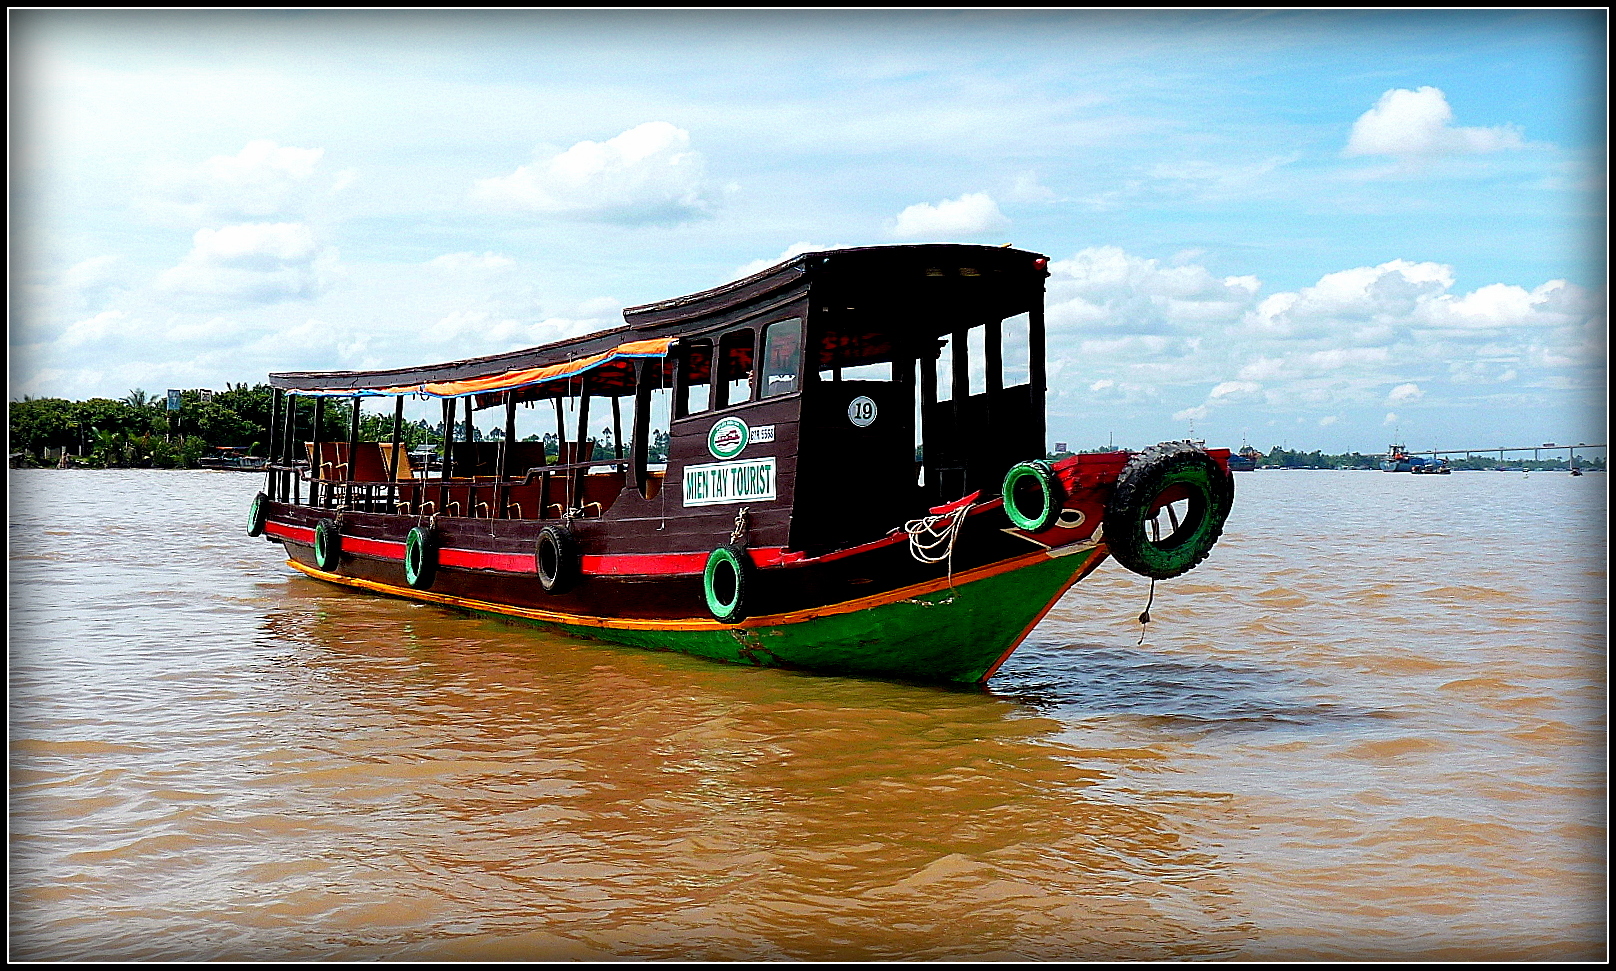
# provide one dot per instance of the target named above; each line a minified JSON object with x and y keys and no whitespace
{"x":818,"y":404}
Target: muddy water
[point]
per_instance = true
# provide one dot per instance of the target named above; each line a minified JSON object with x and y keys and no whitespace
{"x":1372,"y":725}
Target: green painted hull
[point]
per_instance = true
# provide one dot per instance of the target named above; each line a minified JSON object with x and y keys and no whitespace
{"x":961,"y":634}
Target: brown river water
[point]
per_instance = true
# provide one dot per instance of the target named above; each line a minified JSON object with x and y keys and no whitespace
{"x":1371,"y":726}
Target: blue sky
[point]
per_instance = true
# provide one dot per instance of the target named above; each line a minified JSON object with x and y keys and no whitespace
{"x":1323,"y":230}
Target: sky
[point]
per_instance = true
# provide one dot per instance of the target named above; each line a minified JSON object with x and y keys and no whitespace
{"x":1309,"y":229}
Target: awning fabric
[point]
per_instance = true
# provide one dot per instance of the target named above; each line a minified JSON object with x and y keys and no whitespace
{"x":508,"y":380}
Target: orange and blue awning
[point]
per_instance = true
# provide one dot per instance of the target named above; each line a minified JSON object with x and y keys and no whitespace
{"x":489,"y":386}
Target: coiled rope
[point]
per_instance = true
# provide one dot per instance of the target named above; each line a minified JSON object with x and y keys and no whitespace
{"x":929,"y":534}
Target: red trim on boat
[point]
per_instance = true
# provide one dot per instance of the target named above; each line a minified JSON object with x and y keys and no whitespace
{"x":385,"y":549}
{"x":300,"y":533}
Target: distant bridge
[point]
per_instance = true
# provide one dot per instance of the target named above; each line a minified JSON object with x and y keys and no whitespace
{"x":1550,"y":447}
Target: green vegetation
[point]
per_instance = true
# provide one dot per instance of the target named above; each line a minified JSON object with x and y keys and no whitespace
{"x":138,"y":430}
{"x":1283,"y":458}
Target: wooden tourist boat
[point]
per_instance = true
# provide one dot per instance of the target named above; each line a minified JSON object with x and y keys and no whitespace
{"x":854,"y":476}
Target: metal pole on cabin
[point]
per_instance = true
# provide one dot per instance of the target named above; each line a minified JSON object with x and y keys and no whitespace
{"x":575,"y":478}
{"x":502,"y":494}
{"x":961,"y":383}
{"x":928,"y":407}
{"x":289,"y":450}
{"x":1035,"y":367}
{"x":993,"y":365}
{"x":642,"y":424}
{"x":446,"y":461}
{"x":353,"y":451}
{"x":269,"y":456}
{"x":472,"y":460}
{"x":561,"y":444}
{"x":617,"y":427}
{"x":392,"y":454}
{"x":317,"y":495}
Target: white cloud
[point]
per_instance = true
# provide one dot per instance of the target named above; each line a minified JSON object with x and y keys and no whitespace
{"x":1415,"y":125}
{"x":648,"y":174}
{"x":1405,"y":392}
{"x":971,"y":214}
{"x":1235,"y":390}
{"x":253,"y":263}
{"x":1103,"y":287}
{"x":1026,"y":188}
{"x":1346,"y":300}
{"x":795,"y":249}
{"x":262,"y":180}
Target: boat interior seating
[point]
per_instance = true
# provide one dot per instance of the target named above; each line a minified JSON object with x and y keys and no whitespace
{"x":368,"y":462}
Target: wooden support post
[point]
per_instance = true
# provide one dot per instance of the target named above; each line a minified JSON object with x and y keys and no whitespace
{"x":318,"y":496}
{"x":393,"y":456}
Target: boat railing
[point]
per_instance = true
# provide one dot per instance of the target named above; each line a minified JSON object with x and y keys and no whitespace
{"x":551,"y":491}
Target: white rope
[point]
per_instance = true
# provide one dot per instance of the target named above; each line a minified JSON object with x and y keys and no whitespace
{"x":925,"y":537}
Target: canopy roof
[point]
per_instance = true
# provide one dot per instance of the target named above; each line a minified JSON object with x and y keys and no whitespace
{"x":930,"y":283}
{"x":488,"y":384}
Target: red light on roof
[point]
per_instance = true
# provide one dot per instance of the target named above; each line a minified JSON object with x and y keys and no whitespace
{"x":1041,"y":263}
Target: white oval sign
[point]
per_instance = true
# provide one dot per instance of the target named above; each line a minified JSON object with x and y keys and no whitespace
{"x":861,"y":411}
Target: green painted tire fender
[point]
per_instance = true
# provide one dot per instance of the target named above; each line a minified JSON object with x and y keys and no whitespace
{"x":555,"y":557}
{"x":1177,"y":474}
{"x":724,"y":583}
{"x":421,"y":557}
{"x":1032,"y":496}
{"x":258,"y":515}
{"x":327,"y":545}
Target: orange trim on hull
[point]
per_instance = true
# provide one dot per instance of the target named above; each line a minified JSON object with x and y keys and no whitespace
{"x":771,"y":620}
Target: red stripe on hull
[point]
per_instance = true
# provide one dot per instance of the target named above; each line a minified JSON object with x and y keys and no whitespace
{"x":300,"y":534}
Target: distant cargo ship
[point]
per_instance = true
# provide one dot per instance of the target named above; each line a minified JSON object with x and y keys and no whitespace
{"x":1399,"y":460}
{"x":1244,"y":460}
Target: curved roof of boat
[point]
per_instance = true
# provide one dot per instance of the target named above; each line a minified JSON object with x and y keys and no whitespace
{"x":666,"y":319}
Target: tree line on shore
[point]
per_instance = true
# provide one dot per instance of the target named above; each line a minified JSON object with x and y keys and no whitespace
{"x":139,"y":431}
{"x":1284,"y":458}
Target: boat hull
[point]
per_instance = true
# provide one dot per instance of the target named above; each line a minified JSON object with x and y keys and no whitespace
{"x":952,"y":629}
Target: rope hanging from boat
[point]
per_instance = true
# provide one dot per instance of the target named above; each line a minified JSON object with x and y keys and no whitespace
{"x":1144,"y":618}
{"x":928,"y":533}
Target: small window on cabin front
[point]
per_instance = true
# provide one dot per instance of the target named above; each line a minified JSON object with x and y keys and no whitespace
{"x":855,"y":354}
{"x":695,"y":378}
{"x":735,"y":356}
{"x":782,"y":356}
{"x":1017,"y":350}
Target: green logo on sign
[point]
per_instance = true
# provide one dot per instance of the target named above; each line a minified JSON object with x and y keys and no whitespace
{"x":728,"y":437}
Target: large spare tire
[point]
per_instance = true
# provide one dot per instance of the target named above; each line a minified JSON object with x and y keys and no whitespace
{"x":1175,"y":482}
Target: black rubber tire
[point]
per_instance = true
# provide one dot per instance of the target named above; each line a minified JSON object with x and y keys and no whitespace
{"x":327,"y":545}
{"x":555,"y":556}
{"x":1034,"y":481}
{"x":1186,"y":468}
{"x":258,"y":515}
{"x":725,"y":582}
{"x":421,"y":557}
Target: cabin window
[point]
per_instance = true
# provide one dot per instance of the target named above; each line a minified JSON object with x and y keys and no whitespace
{"x":782,"y":356}
{"x":943,"y":368}
{"x":653,"y":400}
{"x":977,"y":354}
{"x":855,"y":354}
{"x":735,"y":367}
{"x":1017,"y":350}
{"x":693,"y":392}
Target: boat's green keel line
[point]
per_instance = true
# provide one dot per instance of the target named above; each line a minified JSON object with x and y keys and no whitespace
{"x":959,"y":629}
